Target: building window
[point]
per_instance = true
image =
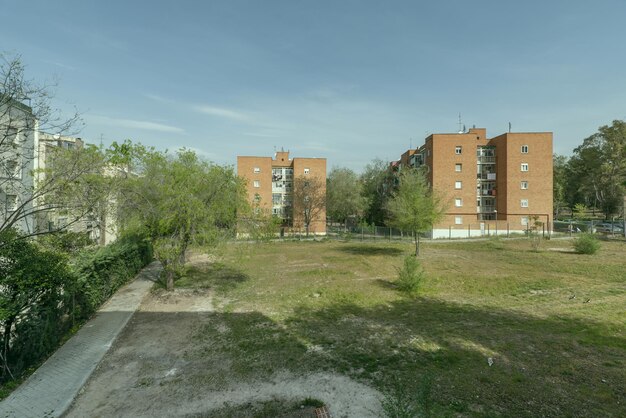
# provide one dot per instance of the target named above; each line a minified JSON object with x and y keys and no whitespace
{"x":458,"y":220}
{"x":13,"y":169}
{"x":524,"y":185}
{"x":457,"y":184}
{"x":525,"y":220}
{"x":306,"y":171}
{"x":11,"y":203}
{"x":524,"y":149}
{"x":257,"y":170}
{"x":257,"y":197}
{"x":458,"y":202}
{"x":458,"y":167}
{"x":524,"y":203}
{"x":458,"y":150}
{"x":276,"y":198}
{"x":257,"y":183}
{"x":524,"y":166}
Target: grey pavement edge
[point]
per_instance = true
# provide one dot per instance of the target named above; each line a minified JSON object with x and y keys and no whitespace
{"x":50,"y":390}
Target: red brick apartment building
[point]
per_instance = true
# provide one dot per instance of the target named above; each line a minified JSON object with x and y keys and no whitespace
{"x":491,"y":185}
{"x":270,"y":183}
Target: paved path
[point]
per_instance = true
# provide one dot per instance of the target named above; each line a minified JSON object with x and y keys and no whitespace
{"x":50,"y":390}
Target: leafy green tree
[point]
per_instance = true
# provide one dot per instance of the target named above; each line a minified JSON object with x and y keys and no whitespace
{"x":379,"y":182}
{"x":180,"y":200}
{"x":414,"y":207}
{"x":597,"y":170}
{"x":258,"y":222}
{"x":344,"y":196}
{"x":559,"y":183}
{"x":579,"y":211}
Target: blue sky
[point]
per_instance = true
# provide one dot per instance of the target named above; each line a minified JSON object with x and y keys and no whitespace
{"x":345,"y":80}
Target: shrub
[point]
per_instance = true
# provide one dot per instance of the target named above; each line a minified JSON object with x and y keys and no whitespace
{"x":32,"y":302}
{"x":586,"y":244}
{"x":101,"y":272}
{"x":412,"y":401}
{"x":410,"y":275}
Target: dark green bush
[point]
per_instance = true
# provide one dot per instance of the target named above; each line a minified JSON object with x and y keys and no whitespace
{"x":586,"y":244}
{"x":410,"y":276}
{"x":100,"y":272}
{"x":66,"y":241}
{"x":32,"y":302}
{"x":41,"y":295}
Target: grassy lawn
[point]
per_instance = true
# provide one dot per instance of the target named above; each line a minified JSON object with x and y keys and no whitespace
{"x":553,"y":322}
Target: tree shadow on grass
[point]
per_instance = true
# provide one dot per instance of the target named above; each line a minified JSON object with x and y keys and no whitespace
{"x":541,"y":367}
{"x":217,"y":276}
{"x":371,"y":249}
{"x":386,"y":284}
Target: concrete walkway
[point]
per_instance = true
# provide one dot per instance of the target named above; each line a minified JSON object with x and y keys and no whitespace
{"x":50,"y":390}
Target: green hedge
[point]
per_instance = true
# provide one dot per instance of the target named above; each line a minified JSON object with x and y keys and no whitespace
{"x":101,"y":272}
{"x":42,"y":296}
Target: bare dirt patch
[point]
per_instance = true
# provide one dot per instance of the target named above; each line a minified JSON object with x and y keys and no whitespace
{"x":158,"y":367}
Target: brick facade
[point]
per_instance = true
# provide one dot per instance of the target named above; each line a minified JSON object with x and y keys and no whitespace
{"x":483,"y":183}
{"x":269,"y":182}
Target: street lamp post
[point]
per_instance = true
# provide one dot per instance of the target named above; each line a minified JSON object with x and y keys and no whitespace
{"x":495,"y":211}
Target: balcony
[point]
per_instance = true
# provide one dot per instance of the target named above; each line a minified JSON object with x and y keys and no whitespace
{"x":487,"y":192}
{"x":486,"y":176}
{"x":484,"y":159}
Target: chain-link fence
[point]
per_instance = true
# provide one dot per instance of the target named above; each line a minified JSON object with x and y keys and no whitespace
{"x":367,"y":232}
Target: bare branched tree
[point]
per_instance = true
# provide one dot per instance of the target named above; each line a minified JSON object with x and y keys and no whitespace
{"x":30,"y":186}
{"x":309,"y":201}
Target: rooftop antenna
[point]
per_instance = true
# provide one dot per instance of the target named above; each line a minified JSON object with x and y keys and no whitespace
{"x":101,"y":136}
{"x":410,"y":143}
{"x":509,"y":127}
{"x":461,"y":129}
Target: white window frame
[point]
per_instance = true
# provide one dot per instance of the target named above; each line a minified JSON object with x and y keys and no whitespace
{"x":458,"y":150}
{"x":458,"y":202}
{"x":458,"y":167}
{"x":523,"y":185}
{"x":257,"y":170}
{"x":458,"y":185}
{"x":11,"y":202}
{"x":523,"y":203}
{"x":524,"y":167}
{"x":307,"y":170}
{"x":524,"y":220}
{"x":256,"y":184}
{"x":17,"y":170}
{"x":458,"y":220}
{"x":524,"y":149}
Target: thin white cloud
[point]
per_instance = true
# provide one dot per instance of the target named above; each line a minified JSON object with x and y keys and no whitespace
{"x":220,"y":112}
{"x":157,"y":98}
{"x":60,"y":65}
{"x":136,"y":124}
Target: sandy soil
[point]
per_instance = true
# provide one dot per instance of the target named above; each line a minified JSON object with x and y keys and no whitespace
{"x":155,"y":369}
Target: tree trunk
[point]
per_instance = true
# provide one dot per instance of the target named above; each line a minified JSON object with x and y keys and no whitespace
{"x":417,"y":244}
{"x":170,"y":280}
{"x":6,"y":345}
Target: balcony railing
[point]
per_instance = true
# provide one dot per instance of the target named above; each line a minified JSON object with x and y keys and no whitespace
{"x":486,"y":176}
{"x":483,"y":159}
